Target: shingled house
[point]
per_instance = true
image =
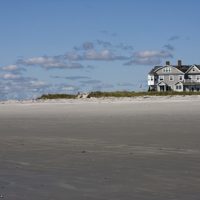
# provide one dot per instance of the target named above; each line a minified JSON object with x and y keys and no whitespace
{"x":174,"y":77}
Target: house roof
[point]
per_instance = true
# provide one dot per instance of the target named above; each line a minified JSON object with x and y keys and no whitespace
{"x":182,"y":68}
{"x":198,"y":66}
{"x":161,"y":83}
{"x":180,"y":82}
{"x":154,"y":70}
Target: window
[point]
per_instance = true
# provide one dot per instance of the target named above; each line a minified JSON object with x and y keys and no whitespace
{"x":178,"y":87}
{"x":167,"y":69}
{"x":180,"y":78}
{"x":193,"y":69}
{"x":171,"y":78}
{"x":161,"y":78}
{"x":151,"y":78}
{"x":198,"y":77}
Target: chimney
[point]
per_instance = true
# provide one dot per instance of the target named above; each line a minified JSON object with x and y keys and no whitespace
{"x":179,"y":63}
{"x":167,"y":62}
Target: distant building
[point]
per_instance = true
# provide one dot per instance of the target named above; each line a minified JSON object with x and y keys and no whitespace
{"x":174,"y":77}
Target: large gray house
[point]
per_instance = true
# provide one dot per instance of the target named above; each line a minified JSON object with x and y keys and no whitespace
{"x":174,"y":77}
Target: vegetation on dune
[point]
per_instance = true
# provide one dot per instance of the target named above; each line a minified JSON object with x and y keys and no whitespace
{"x":99,"y":94}
{"x":58,"y":96}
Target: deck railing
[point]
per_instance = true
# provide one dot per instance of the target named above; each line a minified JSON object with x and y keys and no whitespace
{"x":191,"y":81}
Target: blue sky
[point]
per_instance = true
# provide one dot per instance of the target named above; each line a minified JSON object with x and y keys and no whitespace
{"x":70,"y":46}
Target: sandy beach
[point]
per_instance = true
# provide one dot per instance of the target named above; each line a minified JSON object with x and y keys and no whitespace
{"x":106,"y":149}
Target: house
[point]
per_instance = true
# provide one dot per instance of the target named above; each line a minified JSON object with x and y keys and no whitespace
{"x":174,"y":77}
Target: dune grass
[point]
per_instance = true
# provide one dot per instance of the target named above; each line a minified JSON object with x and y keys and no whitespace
{"x":99,"y":94}
{"x":57,"y":96}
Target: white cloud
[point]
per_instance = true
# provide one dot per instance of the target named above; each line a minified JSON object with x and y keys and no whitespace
{"x":10,"y":76}
{"x":152,"y":54}
{"x":10,"y":68}
{"x":149,"y":57}
{"x":93,"y":54}
{"x":49,"y":62}
{"x":72,"y":78}
{"x":13,"y":69}
{"x":39,"y":61}
{"x":72,"y":56}
{"x":37,"y":83}
{"x":104,"y":55}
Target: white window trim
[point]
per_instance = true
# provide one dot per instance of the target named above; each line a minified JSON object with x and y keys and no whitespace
{"x":161,"y":77}
{"x":190,"y":77}
{"x":171,"y":76}
{"x":167,"y":70}
{"x":179,"y":87}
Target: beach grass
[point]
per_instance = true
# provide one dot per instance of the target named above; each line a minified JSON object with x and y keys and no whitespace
{"x":117,"y":94}
{"x":99,"y":94}
{"x":57,"y":96}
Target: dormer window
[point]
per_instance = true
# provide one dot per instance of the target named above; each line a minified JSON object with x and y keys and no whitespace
{"x":167,"y":69}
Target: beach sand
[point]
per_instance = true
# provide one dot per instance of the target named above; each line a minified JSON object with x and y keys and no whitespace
{"x":106,"y":149}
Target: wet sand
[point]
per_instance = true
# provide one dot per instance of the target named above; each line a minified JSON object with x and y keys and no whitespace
{"x":100,"y":151}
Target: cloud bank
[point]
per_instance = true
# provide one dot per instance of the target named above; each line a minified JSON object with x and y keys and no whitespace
{"x":149,"y":57}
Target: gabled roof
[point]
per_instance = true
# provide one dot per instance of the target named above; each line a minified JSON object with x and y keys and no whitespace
{"x":182,"y":68}
{"x":161,"y":83}
{"x":179,"y":82}
{"x":152,"y":72}
{"x":198,"y":66}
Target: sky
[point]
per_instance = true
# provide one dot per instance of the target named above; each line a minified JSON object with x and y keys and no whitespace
{"x":70,"y":46}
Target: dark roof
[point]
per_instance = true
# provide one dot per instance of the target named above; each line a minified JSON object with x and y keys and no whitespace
{"x":154,"y":69}
{"x":198,"y":66}
{"x":182,"y":68}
